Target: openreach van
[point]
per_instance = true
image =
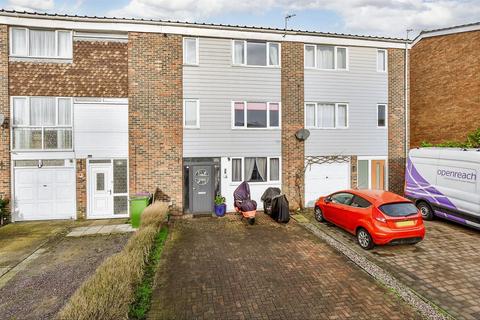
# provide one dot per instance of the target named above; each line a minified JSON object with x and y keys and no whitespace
{"x":444,"y":182}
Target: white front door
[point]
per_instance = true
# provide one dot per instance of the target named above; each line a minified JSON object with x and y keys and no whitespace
{"x":101,"y":193}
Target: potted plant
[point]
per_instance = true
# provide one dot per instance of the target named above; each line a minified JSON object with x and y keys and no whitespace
{"x":3,"y":210}
{"x":220,"y":206}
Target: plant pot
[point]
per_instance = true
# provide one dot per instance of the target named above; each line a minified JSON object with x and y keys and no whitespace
{"x":220,"y":209}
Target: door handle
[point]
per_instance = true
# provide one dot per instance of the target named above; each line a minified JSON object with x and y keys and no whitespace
{"x":44,"y":185}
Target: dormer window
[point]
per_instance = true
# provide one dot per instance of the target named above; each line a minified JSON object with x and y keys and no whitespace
{"x":41,"y":43}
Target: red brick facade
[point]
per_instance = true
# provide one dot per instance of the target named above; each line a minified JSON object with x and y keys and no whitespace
{"x":99,"y":69}
{"x":396,"y":120}
{"x":81,"y":188}
{"x":445,"y":88}
{"x":293,"y":151}
{"x":155,"y":114}
{"x":4,"y":110}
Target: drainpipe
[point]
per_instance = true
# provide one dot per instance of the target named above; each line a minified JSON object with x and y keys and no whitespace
{"x":406,"y":95}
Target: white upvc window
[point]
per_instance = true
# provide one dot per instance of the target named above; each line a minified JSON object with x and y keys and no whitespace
{"x":42,"y":123}
{"x":190,"y":51}
{"x":256,"y":115}
{"x":326,"y":57}
{"x":382,"y":115}
{"x":256,"y":169}
{"x":191,"y":113}
{"x":382,"y":60}
{"x":41,"y":43}
{"x":255,"y":53}
{"x":321,"y":115}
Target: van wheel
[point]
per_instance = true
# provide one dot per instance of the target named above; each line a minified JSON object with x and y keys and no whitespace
{"x":425,"y":210}
{"x":365,"y":239}
{"x":319,"y":214}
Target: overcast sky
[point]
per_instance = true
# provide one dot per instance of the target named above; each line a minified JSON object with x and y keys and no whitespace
{"x":368,"y":17}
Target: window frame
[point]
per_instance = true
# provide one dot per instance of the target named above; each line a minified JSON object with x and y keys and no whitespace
{"x":386,"y":60}
{"x":245,"y":55}
{"x":335,"y":127}
{"x":197,"y":51}
{"x":41,"y":127}
{"x":197,"y":125}
{"x":386,"y":115}
{"x":242,"y":173}
{"x":335,"y":57}
{"x":245,"y":116}
{"x":27,"y":39}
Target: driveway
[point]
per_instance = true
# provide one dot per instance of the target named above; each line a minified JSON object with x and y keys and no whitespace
{"x":220,"y":268}
{"x":43,"y":268}
{"x":444,"y":268}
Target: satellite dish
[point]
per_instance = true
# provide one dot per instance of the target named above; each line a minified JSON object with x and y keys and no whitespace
{"x":302,"y":134}
{"x":2,"y":119}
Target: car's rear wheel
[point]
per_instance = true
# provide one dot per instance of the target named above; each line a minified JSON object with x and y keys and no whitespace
{"x":364,"y":239}
{"x":319,"y":214}
{"x":425,"y":210}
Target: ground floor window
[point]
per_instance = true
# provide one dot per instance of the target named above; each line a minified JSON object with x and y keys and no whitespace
{"x":256,"y":169}
{"x":371,"y":174}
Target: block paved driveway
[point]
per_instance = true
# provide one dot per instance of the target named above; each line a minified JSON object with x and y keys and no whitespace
{"x":219,"y":268}
{"x":444,"y":267}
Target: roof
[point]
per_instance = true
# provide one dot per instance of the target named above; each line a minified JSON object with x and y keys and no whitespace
{"x":475,"y":26}
{"x":379,"y":197}
{"x":4,"y":12}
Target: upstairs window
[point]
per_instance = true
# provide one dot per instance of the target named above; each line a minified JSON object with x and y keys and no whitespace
{"x":256,"y":53}
{"x":190,"y":51}
{"x":36,"y":43}
{"x":382,"y":60}
{"x":256,"y":114}
{"x":381,"y":115}
{"x":42,"y":123}
{"x":326,"y":57}
{"x":326,"y":115}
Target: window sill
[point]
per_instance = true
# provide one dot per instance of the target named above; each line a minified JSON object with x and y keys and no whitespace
{"x":265,"y":183}
{"x":250,"y":66}
{"x":191,"y":65}
{"x":40,"y":59}
{"x":327,"y":70}
{"x":310,"y":128}
{"x":256,"y":129}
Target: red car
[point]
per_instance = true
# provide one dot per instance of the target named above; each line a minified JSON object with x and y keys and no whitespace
{"x":376,"y":217}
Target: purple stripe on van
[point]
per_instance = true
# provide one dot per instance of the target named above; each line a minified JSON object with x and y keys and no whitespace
{"x":419,"y":188}
{"x":450,"y":217}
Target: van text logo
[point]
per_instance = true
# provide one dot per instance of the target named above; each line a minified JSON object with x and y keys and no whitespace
{"x":457,"y":174}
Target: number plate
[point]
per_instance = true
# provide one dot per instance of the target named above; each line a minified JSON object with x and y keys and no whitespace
{"x":408,"y":223}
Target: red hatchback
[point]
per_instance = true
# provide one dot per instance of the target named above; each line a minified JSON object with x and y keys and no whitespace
{"x":376,"y":217}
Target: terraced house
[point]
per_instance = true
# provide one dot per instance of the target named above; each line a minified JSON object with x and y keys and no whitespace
{"x":99,"y":109}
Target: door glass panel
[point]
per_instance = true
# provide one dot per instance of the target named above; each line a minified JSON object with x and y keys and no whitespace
{"x":26,"y":163}
{"x":377,"y":175}
{"x":120,"y":205}
{"x":53,"y":163}
{"x":100,"y":161}
{"x":100,"y":181}
{"x":362,"y":174}
{"x":120,"y":181}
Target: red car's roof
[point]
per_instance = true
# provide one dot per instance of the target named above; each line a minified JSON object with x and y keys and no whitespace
{"x":378,"y":197}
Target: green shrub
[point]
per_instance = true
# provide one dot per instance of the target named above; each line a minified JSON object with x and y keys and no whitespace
{"x":473,"y":141}
{"x":110,"y":291}
{"x":4,"y":212}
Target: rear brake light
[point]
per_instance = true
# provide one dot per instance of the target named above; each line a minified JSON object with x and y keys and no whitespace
{"x":377,"y":215}
{"x":381,"y":219}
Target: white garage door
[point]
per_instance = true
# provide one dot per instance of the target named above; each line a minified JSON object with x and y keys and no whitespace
{"x":323,"y":179}
{"x":45,"y":193}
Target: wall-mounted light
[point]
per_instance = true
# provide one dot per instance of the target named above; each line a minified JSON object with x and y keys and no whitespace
{"x":3,"y":121}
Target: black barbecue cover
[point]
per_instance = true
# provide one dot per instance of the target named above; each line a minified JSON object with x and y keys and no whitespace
{"x":280,"y":212}
{"x":248,"y":205}
{"x":270,"y":193}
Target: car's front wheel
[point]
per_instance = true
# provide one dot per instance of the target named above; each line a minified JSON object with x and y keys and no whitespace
{"x":425,"y":210}
{"x":365,"y":239}
{"x":319,"y":214}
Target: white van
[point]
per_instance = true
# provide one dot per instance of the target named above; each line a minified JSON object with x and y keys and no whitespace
{"x":444,"y":182}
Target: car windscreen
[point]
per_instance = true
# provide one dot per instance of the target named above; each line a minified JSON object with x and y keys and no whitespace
{"x":401,"y":209}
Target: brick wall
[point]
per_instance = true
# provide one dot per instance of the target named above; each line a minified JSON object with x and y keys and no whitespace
{"x":155,"y":114}
{"x":353,"y":172}
{"x":5,"y":110}
{"x":445,"y":88}
{"x":293,"y":151}
{"x":396,"y":120}
{"x":81,"y":188}
{"x":99,"y":69}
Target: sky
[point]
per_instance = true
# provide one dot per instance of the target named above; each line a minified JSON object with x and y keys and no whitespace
{"x":390,"y":18}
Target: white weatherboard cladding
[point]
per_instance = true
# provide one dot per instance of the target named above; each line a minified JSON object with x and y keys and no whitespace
{"x":324,"y":179}
{"x":362,"y":87}
{"x":101,"y":130}
{"x":228,"y":187}
{"x":216,"y":83}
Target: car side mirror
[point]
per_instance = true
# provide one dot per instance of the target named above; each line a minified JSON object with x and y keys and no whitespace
{"x":328,"y":200}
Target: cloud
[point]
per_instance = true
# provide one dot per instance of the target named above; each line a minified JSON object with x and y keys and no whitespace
{"x":31,"y":5}
{"x":379,"y":17}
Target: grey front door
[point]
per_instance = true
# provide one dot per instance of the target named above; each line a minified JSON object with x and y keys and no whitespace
{"x":202,"y":189}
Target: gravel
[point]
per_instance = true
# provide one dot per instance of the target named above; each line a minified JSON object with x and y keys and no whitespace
{"x":424,"y":307}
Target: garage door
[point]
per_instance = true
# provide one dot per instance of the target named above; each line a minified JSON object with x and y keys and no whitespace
{"x":44,"y":193}
{"x":323,"y":179}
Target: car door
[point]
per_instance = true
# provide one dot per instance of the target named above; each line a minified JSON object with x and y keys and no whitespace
{"x":357,"y":210}
{"x":338,"y":207}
